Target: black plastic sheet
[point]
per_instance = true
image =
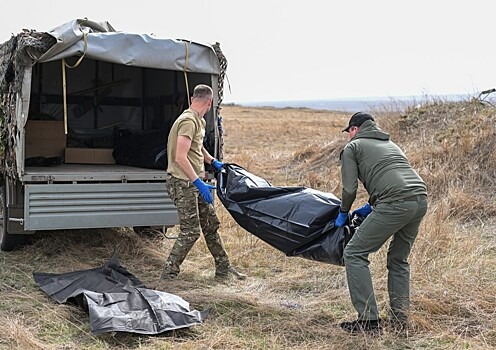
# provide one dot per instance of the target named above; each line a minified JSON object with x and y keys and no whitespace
{"x":118,"y":301}
{"x":298,"y":221}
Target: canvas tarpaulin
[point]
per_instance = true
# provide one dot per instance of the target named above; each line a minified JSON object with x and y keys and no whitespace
{"x":118,"y":301}
{"x":298,"y":221}
{"x":100,"y":41}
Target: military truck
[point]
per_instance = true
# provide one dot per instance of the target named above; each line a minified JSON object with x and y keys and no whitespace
{"x":85,"y":114}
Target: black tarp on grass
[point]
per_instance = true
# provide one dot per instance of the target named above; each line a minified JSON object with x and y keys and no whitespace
{"x":117,"y":301}
{"x":295,"y":220}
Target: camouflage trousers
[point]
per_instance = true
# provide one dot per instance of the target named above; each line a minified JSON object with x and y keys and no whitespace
{"x":195,"y":216}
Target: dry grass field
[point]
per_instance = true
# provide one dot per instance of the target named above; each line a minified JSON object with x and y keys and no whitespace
{"x":293,"y":303}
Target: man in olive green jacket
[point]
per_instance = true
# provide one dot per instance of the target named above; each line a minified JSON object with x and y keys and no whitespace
{"x":397,"y":203}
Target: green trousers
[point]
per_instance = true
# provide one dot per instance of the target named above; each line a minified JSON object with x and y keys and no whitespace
{"x":399,"y":220}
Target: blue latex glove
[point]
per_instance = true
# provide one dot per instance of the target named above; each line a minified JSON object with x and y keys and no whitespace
{"x":217,"y":164}
{"x":341,"y":219}
{"x":204,"y":190}
{"x":362,"y":211}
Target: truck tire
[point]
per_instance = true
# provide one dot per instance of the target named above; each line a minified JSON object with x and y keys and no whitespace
{"x":8,"y":242}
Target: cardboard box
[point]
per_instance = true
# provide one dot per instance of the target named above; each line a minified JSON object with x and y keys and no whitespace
{"x":89,"y":155}
{"x":44,"y":138}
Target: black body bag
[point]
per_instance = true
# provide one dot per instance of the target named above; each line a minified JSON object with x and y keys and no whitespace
{"x":298,"y":221}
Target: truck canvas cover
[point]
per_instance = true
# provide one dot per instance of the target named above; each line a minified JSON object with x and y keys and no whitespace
{"x":91,"y":40}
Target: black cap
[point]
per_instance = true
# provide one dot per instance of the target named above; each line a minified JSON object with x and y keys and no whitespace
{"x":358,"y":119}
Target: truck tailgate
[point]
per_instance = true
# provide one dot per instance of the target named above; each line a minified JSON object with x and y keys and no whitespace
{"x":93,"y":205}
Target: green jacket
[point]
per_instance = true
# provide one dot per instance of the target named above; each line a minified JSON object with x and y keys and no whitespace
{"x":380,"y":165}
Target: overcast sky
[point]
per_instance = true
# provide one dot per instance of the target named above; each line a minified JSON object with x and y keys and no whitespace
{"x":304,"y":49}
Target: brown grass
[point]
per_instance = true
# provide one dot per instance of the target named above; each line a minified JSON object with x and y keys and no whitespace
{"x":292,"y":303}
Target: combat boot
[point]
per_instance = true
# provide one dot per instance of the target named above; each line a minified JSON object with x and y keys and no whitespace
{"x":170,"y":271}
{"x":372,"y":327}
{"x":222,"y":274}
{"x":397,"y":322}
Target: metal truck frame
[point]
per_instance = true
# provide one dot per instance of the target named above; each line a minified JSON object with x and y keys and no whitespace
{"x":68,"y":96}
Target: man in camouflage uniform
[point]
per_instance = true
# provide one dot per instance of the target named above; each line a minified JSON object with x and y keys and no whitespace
{"x":191,"y":196}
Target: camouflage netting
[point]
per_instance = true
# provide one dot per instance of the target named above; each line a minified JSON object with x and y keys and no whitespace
{"x":16,"y":54}
{"x":223,"y":69}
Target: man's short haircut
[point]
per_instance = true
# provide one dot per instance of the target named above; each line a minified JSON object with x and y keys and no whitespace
{"x":202,"y":92}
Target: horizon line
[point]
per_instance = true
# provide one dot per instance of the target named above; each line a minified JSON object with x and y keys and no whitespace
{"x":361,"y":98}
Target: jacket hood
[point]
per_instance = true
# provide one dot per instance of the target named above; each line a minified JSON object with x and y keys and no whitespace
{"x":370,"y":130}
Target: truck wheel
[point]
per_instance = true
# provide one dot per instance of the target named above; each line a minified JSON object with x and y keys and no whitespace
{"x":8,"y":242}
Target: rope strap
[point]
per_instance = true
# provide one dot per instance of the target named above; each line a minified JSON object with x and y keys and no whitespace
{"x":186,"y":74}
{"x":64,"y":85}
